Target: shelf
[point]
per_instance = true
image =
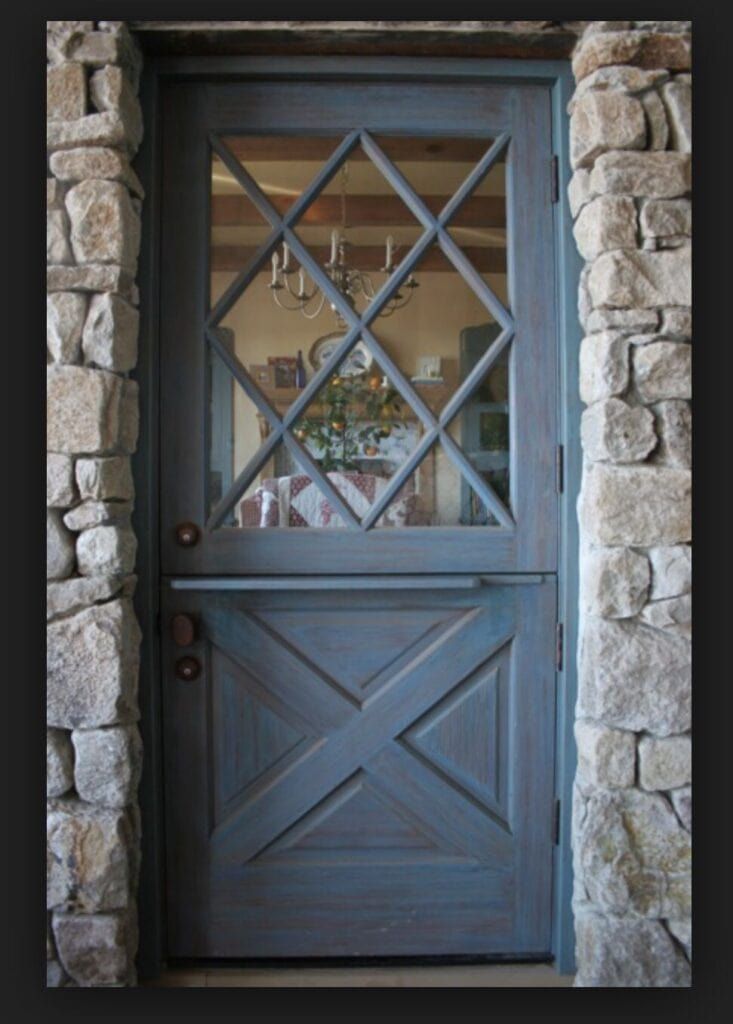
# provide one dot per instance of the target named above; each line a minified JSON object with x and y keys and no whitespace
{"x":435,"y":397}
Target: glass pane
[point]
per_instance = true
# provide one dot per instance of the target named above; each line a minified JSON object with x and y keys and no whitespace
{"x":481,"y":428}
{"x":479,"y":229}
{"x":436,"y":168}
{"x":236,"y":432}
{"x":359,"y":429}
{"x":265,"y":338}
{"x":237,"y":226}
{"x":436,"y":494}
{"x":436,"y":328}
{"x":283,"y":495}
{"x":359,"y":230}
{"x":279,"y":493}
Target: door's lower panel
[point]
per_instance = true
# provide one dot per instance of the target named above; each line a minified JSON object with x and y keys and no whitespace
{"x":317,"y":910}
{"x":361,"y":773}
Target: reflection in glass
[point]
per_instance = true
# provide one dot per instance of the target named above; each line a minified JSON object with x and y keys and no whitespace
{"x":356,"y":418}
{"x":359,"y":229}
{"x":357,"y":429}
{"x":482,"y":425}
{"x":438,"y":495}
{"x":436,"y":168}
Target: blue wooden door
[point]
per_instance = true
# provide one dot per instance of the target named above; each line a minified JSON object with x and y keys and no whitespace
{"x":362,"y":773}
{"x":358,"y":599}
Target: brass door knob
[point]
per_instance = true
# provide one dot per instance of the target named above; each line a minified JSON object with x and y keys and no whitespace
{"x":183,"y":630}
{"x":188,"y":669}
{"x":187,"y":534}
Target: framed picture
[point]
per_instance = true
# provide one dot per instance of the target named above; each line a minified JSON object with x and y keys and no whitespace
{"x":428,"y":367}
{"x":263,"y":375}
{"x":357,"y":361}
{"x":284,"y":370}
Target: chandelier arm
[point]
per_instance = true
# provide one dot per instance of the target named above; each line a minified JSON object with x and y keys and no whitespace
{"x":286,"y":279}
{"x":312,"y":316}
{"x":303,"y":299}
{"x":393,"y":307}
{"x":288,"y":309}
{"x":367,"y":286}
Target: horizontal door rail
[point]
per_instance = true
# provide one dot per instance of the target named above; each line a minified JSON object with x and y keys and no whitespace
{"x":454,"y":582}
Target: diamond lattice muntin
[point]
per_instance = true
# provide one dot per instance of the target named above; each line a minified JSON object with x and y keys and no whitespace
{"x":315,"y":448}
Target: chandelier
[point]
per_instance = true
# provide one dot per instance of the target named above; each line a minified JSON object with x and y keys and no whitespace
{"x":350,"y":281}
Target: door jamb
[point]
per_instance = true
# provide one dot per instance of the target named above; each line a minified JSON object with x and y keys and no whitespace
{"x":555,"y":74}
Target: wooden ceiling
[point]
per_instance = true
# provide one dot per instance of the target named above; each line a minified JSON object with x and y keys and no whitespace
{"x":362,"y":210}
{"x":367,"y":211}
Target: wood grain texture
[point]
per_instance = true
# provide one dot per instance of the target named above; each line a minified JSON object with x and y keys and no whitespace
{"x":360,"y":772}
{"x":366,"y":210}
{"x":333,"y":793}
{"x":527,"y":539}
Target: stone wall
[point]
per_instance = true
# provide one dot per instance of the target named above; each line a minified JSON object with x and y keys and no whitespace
{"x":93,"y":751}
{"x":630,"y":139}
{"x":630,"y":149}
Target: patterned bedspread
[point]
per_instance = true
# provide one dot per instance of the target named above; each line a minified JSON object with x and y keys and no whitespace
{"x":297,"y":501}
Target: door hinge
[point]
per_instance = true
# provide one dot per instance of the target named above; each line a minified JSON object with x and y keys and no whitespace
{"x":556,"y":824}
{"x":559,"y":644}
{"x":554,"y":179}
{"x":560,"y":468}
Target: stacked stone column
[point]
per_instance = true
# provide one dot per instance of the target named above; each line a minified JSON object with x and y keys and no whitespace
{"x":630,"y":147}
{"x":94,"y":128}
{"x":629,"y":195}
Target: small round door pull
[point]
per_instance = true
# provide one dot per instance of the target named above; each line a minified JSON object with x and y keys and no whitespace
{"x":188,"y":669}
{"x":183,"y":630}
{"x":187,"y":534}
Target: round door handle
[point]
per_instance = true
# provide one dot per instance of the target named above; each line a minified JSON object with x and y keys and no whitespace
{"x":183,"y":630}
{"x":188,"y":669}
{"x":187,"y":534}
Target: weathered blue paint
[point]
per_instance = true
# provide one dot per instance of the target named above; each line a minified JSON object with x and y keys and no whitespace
{"x":557,"y":75}
{"x":568,"y":264}
{"x":199,"y":116}
{"x":362,"y":773}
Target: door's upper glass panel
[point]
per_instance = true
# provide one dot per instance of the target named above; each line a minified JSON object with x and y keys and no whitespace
{"x":437,"y":168}
{"x":438,"y":494}
{"x":238,"y":228}
{"x":339,"y":426}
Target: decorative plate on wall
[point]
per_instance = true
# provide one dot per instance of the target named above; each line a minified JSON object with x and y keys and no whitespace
{"x":357,"y":361}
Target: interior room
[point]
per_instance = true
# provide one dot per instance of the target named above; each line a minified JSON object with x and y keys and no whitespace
{"x":359,"y":429}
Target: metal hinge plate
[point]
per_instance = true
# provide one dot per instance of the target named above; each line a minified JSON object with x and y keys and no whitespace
{"x":559,"y":643}
{"x":555,"y":179}
{"x":560,"y":468}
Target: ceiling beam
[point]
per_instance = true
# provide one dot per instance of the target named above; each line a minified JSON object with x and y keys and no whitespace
{"x":370,"y":210}
{"x":367,"y":257}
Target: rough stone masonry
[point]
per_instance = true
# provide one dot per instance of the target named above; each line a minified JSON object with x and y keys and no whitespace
{"x":630,"y":198}
{"x":93,"y":751}
{"x":630,"y":143}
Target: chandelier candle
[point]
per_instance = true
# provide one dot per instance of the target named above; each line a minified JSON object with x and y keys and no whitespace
{"x":390,"y":245}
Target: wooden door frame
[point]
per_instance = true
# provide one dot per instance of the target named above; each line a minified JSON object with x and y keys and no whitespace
{"x":557,"y":76}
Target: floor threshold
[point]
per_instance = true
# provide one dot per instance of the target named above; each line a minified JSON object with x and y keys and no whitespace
{"x":540,"y":975}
